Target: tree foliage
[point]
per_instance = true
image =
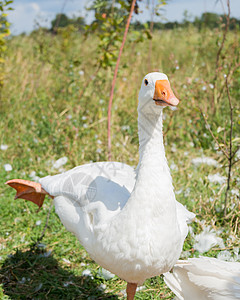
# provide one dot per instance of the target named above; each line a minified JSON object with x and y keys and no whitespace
{"x":106,"y":10}
{"x":61,"y":20}
{"x":109,"y":25}
{"x":207,"y":20}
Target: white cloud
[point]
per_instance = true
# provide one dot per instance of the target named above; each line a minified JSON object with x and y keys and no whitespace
{"x":26,"y":13}
{"x":35,"y":7}
{"x":22,"y":17}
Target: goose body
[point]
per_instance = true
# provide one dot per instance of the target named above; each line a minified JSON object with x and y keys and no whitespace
{"x":205,"y":278}
{"x":128,"y":220}
{"x":92,"y":202}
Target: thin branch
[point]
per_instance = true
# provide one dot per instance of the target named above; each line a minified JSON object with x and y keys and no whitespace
{"x":230,"y":148}
{"x":46,"y":225}
{"x":115,"y":77}
{"x":213,"y":136}
{"x":151,"y":31}
{"x":231,"y":117}
{"x":220,"y":51}
{"x":59,"y":16}
{"x":234,"y":152}
{"x":236,"y":161}
{"x":229,"y":75}
{"x":224,"y":38}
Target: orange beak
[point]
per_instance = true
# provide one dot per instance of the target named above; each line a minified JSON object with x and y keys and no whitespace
{"x":164,"y":95}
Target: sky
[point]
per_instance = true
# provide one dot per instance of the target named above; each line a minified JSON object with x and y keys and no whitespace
{"x":27,"y":13}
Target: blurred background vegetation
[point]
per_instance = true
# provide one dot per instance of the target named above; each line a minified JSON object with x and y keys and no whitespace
{"x":54,"y":98}
{"x":207,"y":20}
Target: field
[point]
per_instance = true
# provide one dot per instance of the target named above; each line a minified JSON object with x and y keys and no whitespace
{"x":54,"y":105}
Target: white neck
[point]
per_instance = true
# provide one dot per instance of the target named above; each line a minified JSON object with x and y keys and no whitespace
{"x":150,"y":138}
{"x":153,"y":176}
{"x":152,"y":195}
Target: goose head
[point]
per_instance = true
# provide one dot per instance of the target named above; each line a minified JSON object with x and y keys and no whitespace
{"x":156,"y":93}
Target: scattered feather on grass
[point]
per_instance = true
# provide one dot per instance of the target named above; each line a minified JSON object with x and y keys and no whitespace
{"x":3,"y":147}
{"x":46,"y":254}
{"x":38,"y":288}
{"x":206,"y":240}
{"x":217,"y":178}
{"x":87,"y":272}
{"x":174,"y":167}
{"x":107,"y":275}
{"x":8,"y":167}
{"x":102,"y":286}
{"x":22,"y":281}
{"x":41,"y":245}
{"x":140,"y":288}
{"x":205,"y":160}
{"x":60,"y":162}
{"x":224,"y":255}
{"x":66,"y":261}
{"x":66,"y":284}
{"x":34,"y":177}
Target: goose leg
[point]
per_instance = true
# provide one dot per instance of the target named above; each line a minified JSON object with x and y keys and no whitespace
{"x":28,"y":190}
{"x":131,"y":290}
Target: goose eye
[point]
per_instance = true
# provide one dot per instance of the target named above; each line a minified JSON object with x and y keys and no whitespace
{"x":146,"y":82}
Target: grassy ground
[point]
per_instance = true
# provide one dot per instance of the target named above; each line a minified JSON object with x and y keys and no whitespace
{"x":52,"y":107}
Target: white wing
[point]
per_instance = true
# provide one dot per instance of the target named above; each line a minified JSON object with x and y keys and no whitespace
{"x":108,"y":182}
{"x":90,"y":194}
{"x":205,"y":278}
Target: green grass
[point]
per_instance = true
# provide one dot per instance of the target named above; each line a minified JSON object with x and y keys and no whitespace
{"x":45,"y":115}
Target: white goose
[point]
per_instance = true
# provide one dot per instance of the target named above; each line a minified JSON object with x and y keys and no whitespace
{"x":129,"y":221}
{"x":204,"y":278}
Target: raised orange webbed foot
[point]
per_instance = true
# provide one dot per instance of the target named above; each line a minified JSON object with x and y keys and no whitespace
{"x":28,"y":190}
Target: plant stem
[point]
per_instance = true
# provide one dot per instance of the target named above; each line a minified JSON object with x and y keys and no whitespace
{"x":223,"y":39}
{"x":150,"y":42}
{"x":46,"y":225}
{"x":213,"y":136}
{"x":115,"y":77}
{"x":230,"y":158}
{"x":59,"y":16}
{"x":219,"y":54}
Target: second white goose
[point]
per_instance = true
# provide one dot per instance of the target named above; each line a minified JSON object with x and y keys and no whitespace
{"x":204,"y":278}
